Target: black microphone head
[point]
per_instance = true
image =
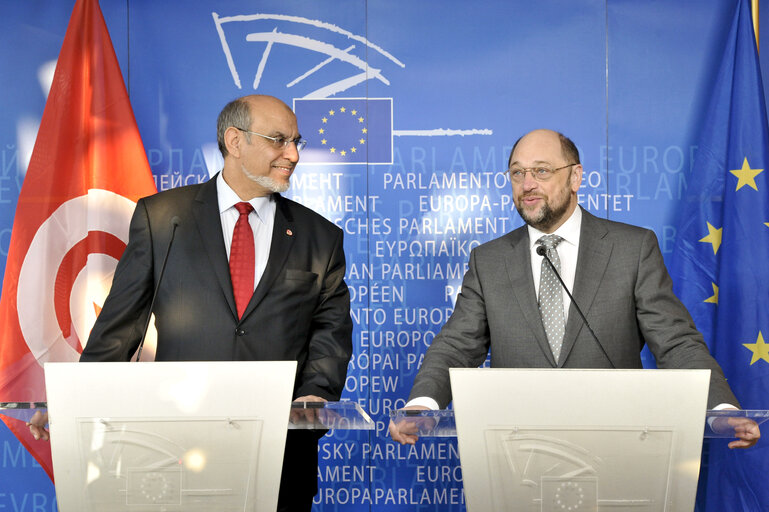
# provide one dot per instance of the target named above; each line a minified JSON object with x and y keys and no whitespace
{"x":541,"y":250}
{"x":175,"y":220}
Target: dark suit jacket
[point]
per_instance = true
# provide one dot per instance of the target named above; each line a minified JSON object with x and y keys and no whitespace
{"x":621,"y":285}
{"x":300,"y":309}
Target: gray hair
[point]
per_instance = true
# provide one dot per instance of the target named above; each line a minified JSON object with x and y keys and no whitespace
{"x":236,"y":113}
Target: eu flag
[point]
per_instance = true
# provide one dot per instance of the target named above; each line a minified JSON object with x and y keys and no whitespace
{"x":720,"y":265}
{"x":346,"y":130}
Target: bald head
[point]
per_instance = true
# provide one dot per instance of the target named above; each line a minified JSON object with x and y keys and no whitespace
{"x":544,"y":136}
{"x":242,"y":112}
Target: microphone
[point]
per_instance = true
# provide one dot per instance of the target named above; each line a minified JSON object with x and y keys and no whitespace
{"x":543,"y":252}
{"x":175,"y":221}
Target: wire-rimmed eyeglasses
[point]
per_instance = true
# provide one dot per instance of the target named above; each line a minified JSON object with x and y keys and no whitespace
{"x":540,"y":173}
{"x":279,"y":142}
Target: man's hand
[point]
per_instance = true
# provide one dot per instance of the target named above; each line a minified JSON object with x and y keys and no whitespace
{"x":746,"y":431}
{"x":306,"y":415}
{"x":36,"y":425}
{"x":405,"y":431}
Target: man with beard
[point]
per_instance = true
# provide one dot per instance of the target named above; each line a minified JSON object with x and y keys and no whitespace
{"x":512,"y":304}
{"x":251,"y":276}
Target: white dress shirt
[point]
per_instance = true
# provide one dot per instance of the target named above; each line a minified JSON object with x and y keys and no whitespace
{"x":261,"y":220}
{"x":568,"y":250}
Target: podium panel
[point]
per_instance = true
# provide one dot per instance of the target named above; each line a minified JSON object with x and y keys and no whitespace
{"x":170,"y":436}
{"x":580,"y":440}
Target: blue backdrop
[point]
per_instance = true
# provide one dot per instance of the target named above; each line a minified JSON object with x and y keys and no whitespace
{"x":446,"y":87}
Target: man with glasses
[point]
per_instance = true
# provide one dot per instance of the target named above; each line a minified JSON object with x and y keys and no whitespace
{"x":513,"y":304}
{"x":250,"y":276}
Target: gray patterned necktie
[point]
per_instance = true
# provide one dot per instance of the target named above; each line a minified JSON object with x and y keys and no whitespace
{"x":551,"y":295}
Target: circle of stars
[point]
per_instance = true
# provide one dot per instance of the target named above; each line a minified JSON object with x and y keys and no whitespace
{"x":336,"y":114}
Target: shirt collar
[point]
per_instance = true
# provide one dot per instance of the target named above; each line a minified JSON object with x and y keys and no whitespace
{"x":569,"y":230}
{"x":227,"y":199}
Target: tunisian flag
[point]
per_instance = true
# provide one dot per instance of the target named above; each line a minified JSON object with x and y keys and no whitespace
{"x":88,"y":169}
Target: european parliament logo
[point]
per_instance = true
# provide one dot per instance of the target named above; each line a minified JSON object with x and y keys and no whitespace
{"x":346,"y":130}
{"x":328,"y":53}
{"x":326,"y":61}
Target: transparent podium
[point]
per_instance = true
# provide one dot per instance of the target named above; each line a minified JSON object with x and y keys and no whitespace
{"x":578,"y":440}
{"x":22,"y":411}
{"x":191,"y":436}
{"x":329,"y":416}
{"x":344,"y":415}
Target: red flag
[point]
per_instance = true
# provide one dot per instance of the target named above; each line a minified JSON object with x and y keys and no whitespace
{"x":88,"y":168}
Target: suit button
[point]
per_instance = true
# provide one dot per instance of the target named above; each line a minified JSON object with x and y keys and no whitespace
{"x":240,"y":332}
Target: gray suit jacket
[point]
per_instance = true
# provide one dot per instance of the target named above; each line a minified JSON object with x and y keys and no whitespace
{"x":622,"y":287}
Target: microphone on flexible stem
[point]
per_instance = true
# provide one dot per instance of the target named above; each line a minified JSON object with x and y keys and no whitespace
{"x":542,"y":251}
{"x":175,"y":221}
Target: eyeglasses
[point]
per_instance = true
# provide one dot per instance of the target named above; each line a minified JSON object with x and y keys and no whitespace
{"x":279,"y":142}
{"x":517,"y":175}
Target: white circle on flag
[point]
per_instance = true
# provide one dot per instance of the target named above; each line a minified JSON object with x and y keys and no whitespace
{"x":100,"y":211}
{"x":90,"y":287}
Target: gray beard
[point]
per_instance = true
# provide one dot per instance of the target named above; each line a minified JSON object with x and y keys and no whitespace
{"x":547,"y":217}
{"x":267,"y":182}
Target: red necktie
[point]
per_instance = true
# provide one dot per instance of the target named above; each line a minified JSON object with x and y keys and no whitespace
{"x":242,"y":259}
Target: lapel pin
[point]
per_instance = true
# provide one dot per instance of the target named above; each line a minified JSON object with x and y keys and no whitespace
{"x":289,"y":232}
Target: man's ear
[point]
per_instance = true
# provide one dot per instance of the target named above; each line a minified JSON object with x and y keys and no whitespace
{"x":576,"y":177}
{"x":233,"y":140}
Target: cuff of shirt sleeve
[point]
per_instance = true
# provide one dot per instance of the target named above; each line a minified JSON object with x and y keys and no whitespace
{"x":720,"y":407}
{"x":424,"y":401}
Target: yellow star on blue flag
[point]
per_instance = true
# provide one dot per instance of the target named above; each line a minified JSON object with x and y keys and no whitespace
{"x":759,"y":349}
{"x":746,"y":175}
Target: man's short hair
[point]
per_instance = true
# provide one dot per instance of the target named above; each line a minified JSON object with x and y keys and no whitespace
{"x":568,"y":149}
{"x":236,"y":113}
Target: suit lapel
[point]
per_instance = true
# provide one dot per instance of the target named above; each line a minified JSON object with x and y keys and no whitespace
{"x":518,"y":264}
{"x":209,"y":224}
{"x":282,"y":241}
{"x":592,"y":260}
